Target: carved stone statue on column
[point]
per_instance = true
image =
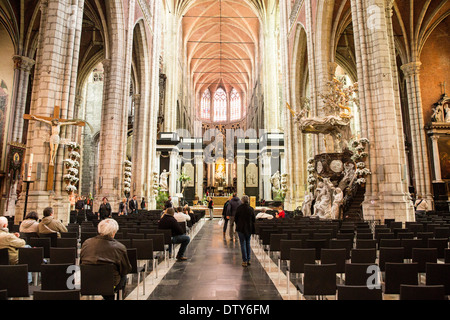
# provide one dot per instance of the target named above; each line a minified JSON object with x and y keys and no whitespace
{"x":163,"y":180}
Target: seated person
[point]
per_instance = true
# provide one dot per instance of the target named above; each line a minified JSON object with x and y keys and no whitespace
{"x":264,"y":215}
{"x":50,"y":225}
{"x":280,"y":213}
{"x":10,"y":241}
{"x":181,"y":216}
{"x":30,"y":224}
{"x":103,"y":249}
{"x":168,"y":221}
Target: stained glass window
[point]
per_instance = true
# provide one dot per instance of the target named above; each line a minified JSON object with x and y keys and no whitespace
{"x":235,"y":105}
{"x":206,"y":105}
{"x":220,"y":105}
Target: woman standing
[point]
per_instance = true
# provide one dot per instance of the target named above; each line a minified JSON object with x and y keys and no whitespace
{"x":211,"y":208}
{"x":245,"y":227}
{"x":123,"y":207}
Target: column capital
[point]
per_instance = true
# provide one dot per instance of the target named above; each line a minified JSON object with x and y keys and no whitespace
{"x":434,"y":137}
{"x":106,"y":65}
{"x":23,"y":63}
{"x":412,"y":68}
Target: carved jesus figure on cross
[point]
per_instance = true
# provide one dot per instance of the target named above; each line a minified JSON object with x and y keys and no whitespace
{"x":56,"y":123}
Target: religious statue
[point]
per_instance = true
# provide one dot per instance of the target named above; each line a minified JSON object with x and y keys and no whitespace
{"x":338,"y":200}
{"x":447,"y":112}
{"x":438,"y":113}
{"x":55,"y":139}
{"x":163,"y":180}
{"x":322,"y":207}
{"x":275,"y":181}
{"x":306,"y":207}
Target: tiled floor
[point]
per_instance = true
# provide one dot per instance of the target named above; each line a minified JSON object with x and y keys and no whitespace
{"x":214,"y":272}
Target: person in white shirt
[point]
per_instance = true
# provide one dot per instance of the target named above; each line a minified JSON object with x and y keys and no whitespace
{"x":180,"y":216}
{"x":264,"y":215}
{"x":421,"y":206}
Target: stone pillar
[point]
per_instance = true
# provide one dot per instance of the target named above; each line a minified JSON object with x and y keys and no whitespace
{"x":173,"y":168}
{"x":240,"y":175}
{"x":171,"y":51}
{"x":139,"y":147}
{"x":198,"y":161}
{"x":23,"y":67}
{"x":419,"y":145}
{"x":386,"y":191}
{"x":436,"y":162}
{"x":270,"y":70}
{"x":267,"y":174}
{"x":54,"y":85}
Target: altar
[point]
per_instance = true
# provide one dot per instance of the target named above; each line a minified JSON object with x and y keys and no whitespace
{"x":219,"y":201}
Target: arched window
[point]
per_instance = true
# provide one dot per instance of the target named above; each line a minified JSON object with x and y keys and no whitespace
{"x":206,"y":105}
{"x":220,"y":105}
{"x":235,"y":105}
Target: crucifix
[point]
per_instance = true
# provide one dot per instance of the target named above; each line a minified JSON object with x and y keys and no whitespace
{"x":56,"y":123}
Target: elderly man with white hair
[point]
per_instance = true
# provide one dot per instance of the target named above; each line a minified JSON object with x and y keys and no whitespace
{"x":10,"y":241}
{"x":103,"y":249}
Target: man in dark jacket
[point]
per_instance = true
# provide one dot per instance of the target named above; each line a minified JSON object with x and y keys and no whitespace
{"x":133,"y":205}
{"x":234,"y":203}
{"x":245,"y":227}
{"x":225,"y":216}
{"x":168,"y":221}
{"x":103,"y":249}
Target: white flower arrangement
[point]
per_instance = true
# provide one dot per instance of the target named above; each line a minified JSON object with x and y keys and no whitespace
{"x":128,"y":163}
{"x":71,"y":188}
{"x":73,"y":145}
{"x":67,"y":177}
{"x":69,"y":162}
{"x":364,"y":141}
{"x":73,"y":171}
{"x":360,"y":165}
{"x":363,"y":172}
{"x":128,"y":180}
{"x":310,"y":168}
{"x":360,"y":148}
{"x":76,"y":164}
{"x":127,"y":169}
{"x":126,"y":190}
{"x":361,"y":181}
{"x":311,"y":161}
{"x":311,"y":180}
{"x":74,"y":155}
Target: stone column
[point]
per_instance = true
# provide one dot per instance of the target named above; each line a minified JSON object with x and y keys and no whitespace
{"x":419,"y":146}
{"x":173,"y":165}
{"x":198,"y":162}
{"x":386,"y":191}
{"x":436,"y":162}
{"x":23,"y":66}
{"x":267,"y":174}
{"x":171,"y":51}
{"x":139,"y":147}
{"x":56,"y":65}
{"x":240,"y":175}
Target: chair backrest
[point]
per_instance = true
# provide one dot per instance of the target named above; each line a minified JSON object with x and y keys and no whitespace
{"x":167,"y":235}
{"x":86,"y":235}
{"x":132,"y":235}
{"x":357,"y":274}
{"x":364,"y":236}
{"x":390,"y":243}
{"x":97,"y":280}
{"x":125,"y":242}
{"x":55,"y":276}
{"x":3,"y":295}
{"x":132,"y":257}
{"x":422,"y":256}
{"x":158,"y":241}
{"x":4,"y":257}
{"x":366,"y":244}
{"x":342,"y":244}
{"x":317,"y":244}
{"x":286,"y":246}
{"x":70,"y":235}
{"x":299,"y":257}
{"x":347,"y":292}
{"x":336,"y":256}
{"x":440,"y":244}
{"x":43,"y":243}
{"x":33,"y":257}
{"x":319,"y":279}
{"x":67,"y":243}
{"x":56,"y":295}
{"x":14,"y":279}
{"x":275,"y":239}
{"x":394,"y":255}
{"x":400,"y":273}
{"x":144,"y":248}
{"x":442,"y":232}
{"x":28,"y":235}
{"x":409,"y":292}
{"x":447,"y":255}
{"x":63,"y":255}
{"x":438,"y":274}
{"x":363,"y":255}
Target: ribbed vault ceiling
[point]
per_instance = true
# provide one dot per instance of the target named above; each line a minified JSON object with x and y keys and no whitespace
{"x":221,"y":38}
